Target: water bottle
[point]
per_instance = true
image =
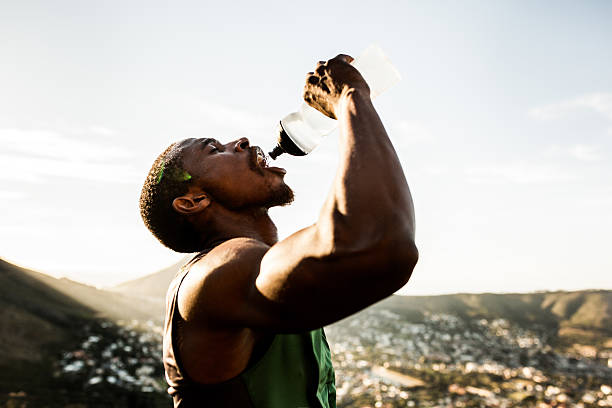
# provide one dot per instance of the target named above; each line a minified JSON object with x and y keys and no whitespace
{"x":300,"y":132}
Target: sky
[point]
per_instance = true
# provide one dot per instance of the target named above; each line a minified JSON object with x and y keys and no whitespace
{"x":502,"y":122}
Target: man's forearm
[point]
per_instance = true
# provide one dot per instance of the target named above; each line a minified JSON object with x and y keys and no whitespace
{"x":370,"y":200}
{"x":361,"y":249}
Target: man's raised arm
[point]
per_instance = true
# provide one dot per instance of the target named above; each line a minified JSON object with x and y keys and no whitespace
{"x":362,"y":248}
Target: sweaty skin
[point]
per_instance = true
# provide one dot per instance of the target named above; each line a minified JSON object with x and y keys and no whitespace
{"x":360,"y":250}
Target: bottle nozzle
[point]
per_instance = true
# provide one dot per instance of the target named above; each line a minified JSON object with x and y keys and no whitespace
{"x":285,"y":145}
{"x":277,"y":151}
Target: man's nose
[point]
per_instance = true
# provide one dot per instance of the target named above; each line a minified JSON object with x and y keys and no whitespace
{"x":241,"y":144}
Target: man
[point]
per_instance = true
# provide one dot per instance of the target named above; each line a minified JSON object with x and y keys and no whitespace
{"x":244,"y":317}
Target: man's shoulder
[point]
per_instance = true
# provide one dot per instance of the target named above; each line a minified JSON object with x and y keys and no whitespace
{"x":231,"y":253}
{"x":227,"y":272}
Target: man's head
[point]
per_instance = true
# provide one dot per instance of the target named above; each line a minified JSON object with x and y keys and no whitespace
{"x":195,"y":183}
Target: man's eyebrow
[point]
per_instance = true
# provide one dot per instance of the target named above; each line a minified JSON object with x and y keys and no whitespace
{"x":208,"y":141}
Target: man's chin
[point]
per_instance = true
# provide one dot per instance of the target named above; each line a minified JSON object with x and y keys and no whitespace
{"x":282,"y":196}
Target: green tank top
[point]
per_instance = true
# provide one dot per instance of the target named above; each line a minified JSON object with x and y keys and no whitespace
{"x":294,"y":372}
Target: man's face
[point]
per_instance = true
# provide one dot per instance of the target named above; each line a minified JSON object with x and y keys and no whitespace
{"x":235,"y":174}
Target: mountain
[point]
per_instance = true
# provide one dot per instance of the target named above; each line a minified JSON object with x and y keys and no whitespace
{"x":33,"y":314}
{"x":42,"y":318}
{"x":37,"y":309}
{"x":582,"y":309}
{"x":151,"y":286}
{"x":56,"y":343}
{"x":572,"y":315}
{"x":586,"y":313}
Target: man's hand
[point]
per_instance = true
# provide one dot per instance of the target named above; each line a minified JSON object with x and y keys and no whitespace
{"x":330,"y":81}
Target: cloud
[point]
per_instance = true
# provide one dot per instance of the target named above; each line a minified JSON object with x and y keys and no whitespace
{"x":11,"y":195}
{"x":585,"y":152}
{"x":102,"y":131}
{"x":36,"y":155}
{"x":582,"y":152}
{"x":36,"y":169}
{"x":600,"y":103}
{"x":52,"y":144}
{"x":436,"y":169}
{"x":405,"y":132}
{"x":238,"y":121}
{"x":519,"y":173}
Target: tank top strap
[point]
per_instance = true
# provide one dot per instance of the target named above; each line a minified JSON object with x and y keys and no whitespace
{"x":184,"y":391}
{"x":293,"y":370}
{"x":174,"y":374}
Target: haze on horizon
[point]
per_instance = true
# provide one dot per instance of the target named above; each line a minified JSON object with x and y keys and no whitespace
{"x":503,"y":122}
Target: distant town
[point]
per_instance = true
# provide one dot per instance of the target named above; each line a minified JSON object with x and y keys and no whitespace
{"x":445,"y":361}
{"x":66,"y":344}
{"x":382,"y":361}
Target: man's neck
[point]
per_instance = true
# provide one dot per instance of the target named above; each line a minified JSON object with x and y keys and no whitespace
{"x":255,"y":224}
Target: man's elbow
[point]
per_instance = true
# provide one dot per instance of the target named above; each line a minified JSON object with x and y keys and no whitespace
{"x":404,"y":255}
{"x":409,"y":255}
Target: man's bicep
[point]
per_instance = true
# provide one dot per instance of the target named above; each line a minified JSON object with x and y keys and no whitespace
{"x":309,"y":283}
{"x":294,"y":285}
{"x":288,"y":267}
{"x":242,"y":283}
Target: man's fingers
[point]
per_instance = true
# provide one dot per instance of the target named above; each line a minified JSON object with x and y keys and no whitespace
{"x":344,"y":57}
{"x":324,"y":86}
{"x":312,"y":79}
{"x":322,"y":65}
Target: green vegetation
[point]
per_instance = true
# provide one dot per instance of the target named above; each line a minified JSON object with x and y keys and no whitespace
{"x":59,"y":346}
{"x":587,"y":312}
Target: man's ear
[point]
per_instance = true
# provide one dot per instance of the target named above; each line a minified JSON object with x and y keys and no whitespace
{"x":190,"y":204}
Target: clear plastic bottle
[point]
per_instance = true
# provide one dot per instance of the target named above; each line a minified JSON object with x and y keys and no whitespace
{"x":300,"y":132}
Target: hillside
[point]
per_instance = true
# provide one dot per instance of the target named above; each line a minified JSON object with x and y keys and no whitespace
{"x":42,"y":317}
{"x":586,"y":313}
{"x":150,"y":286}
{"x":33,"y":314}
{"x":58,"y":345}
{"x":37,"y":309}
{"x":583,"y":313}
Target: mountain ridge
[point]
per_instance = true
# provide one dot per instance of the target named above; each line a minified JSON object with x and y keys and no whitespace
{"x":37,"y":310}
{"x":50,"y":326}
{"x":153,"y":285}
{"x":164,"y":275}
{"x":47,"y":302}
{"x":568,"y":313}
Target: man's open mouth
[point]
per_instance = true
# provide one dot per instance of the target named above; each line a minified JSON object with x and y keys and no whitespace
{"x":259,"y":161}
{"x":260,"y":157}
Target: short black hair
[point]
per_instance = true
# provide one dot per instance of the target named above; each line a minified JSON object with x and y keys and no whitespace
{"x":167,"y":180}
